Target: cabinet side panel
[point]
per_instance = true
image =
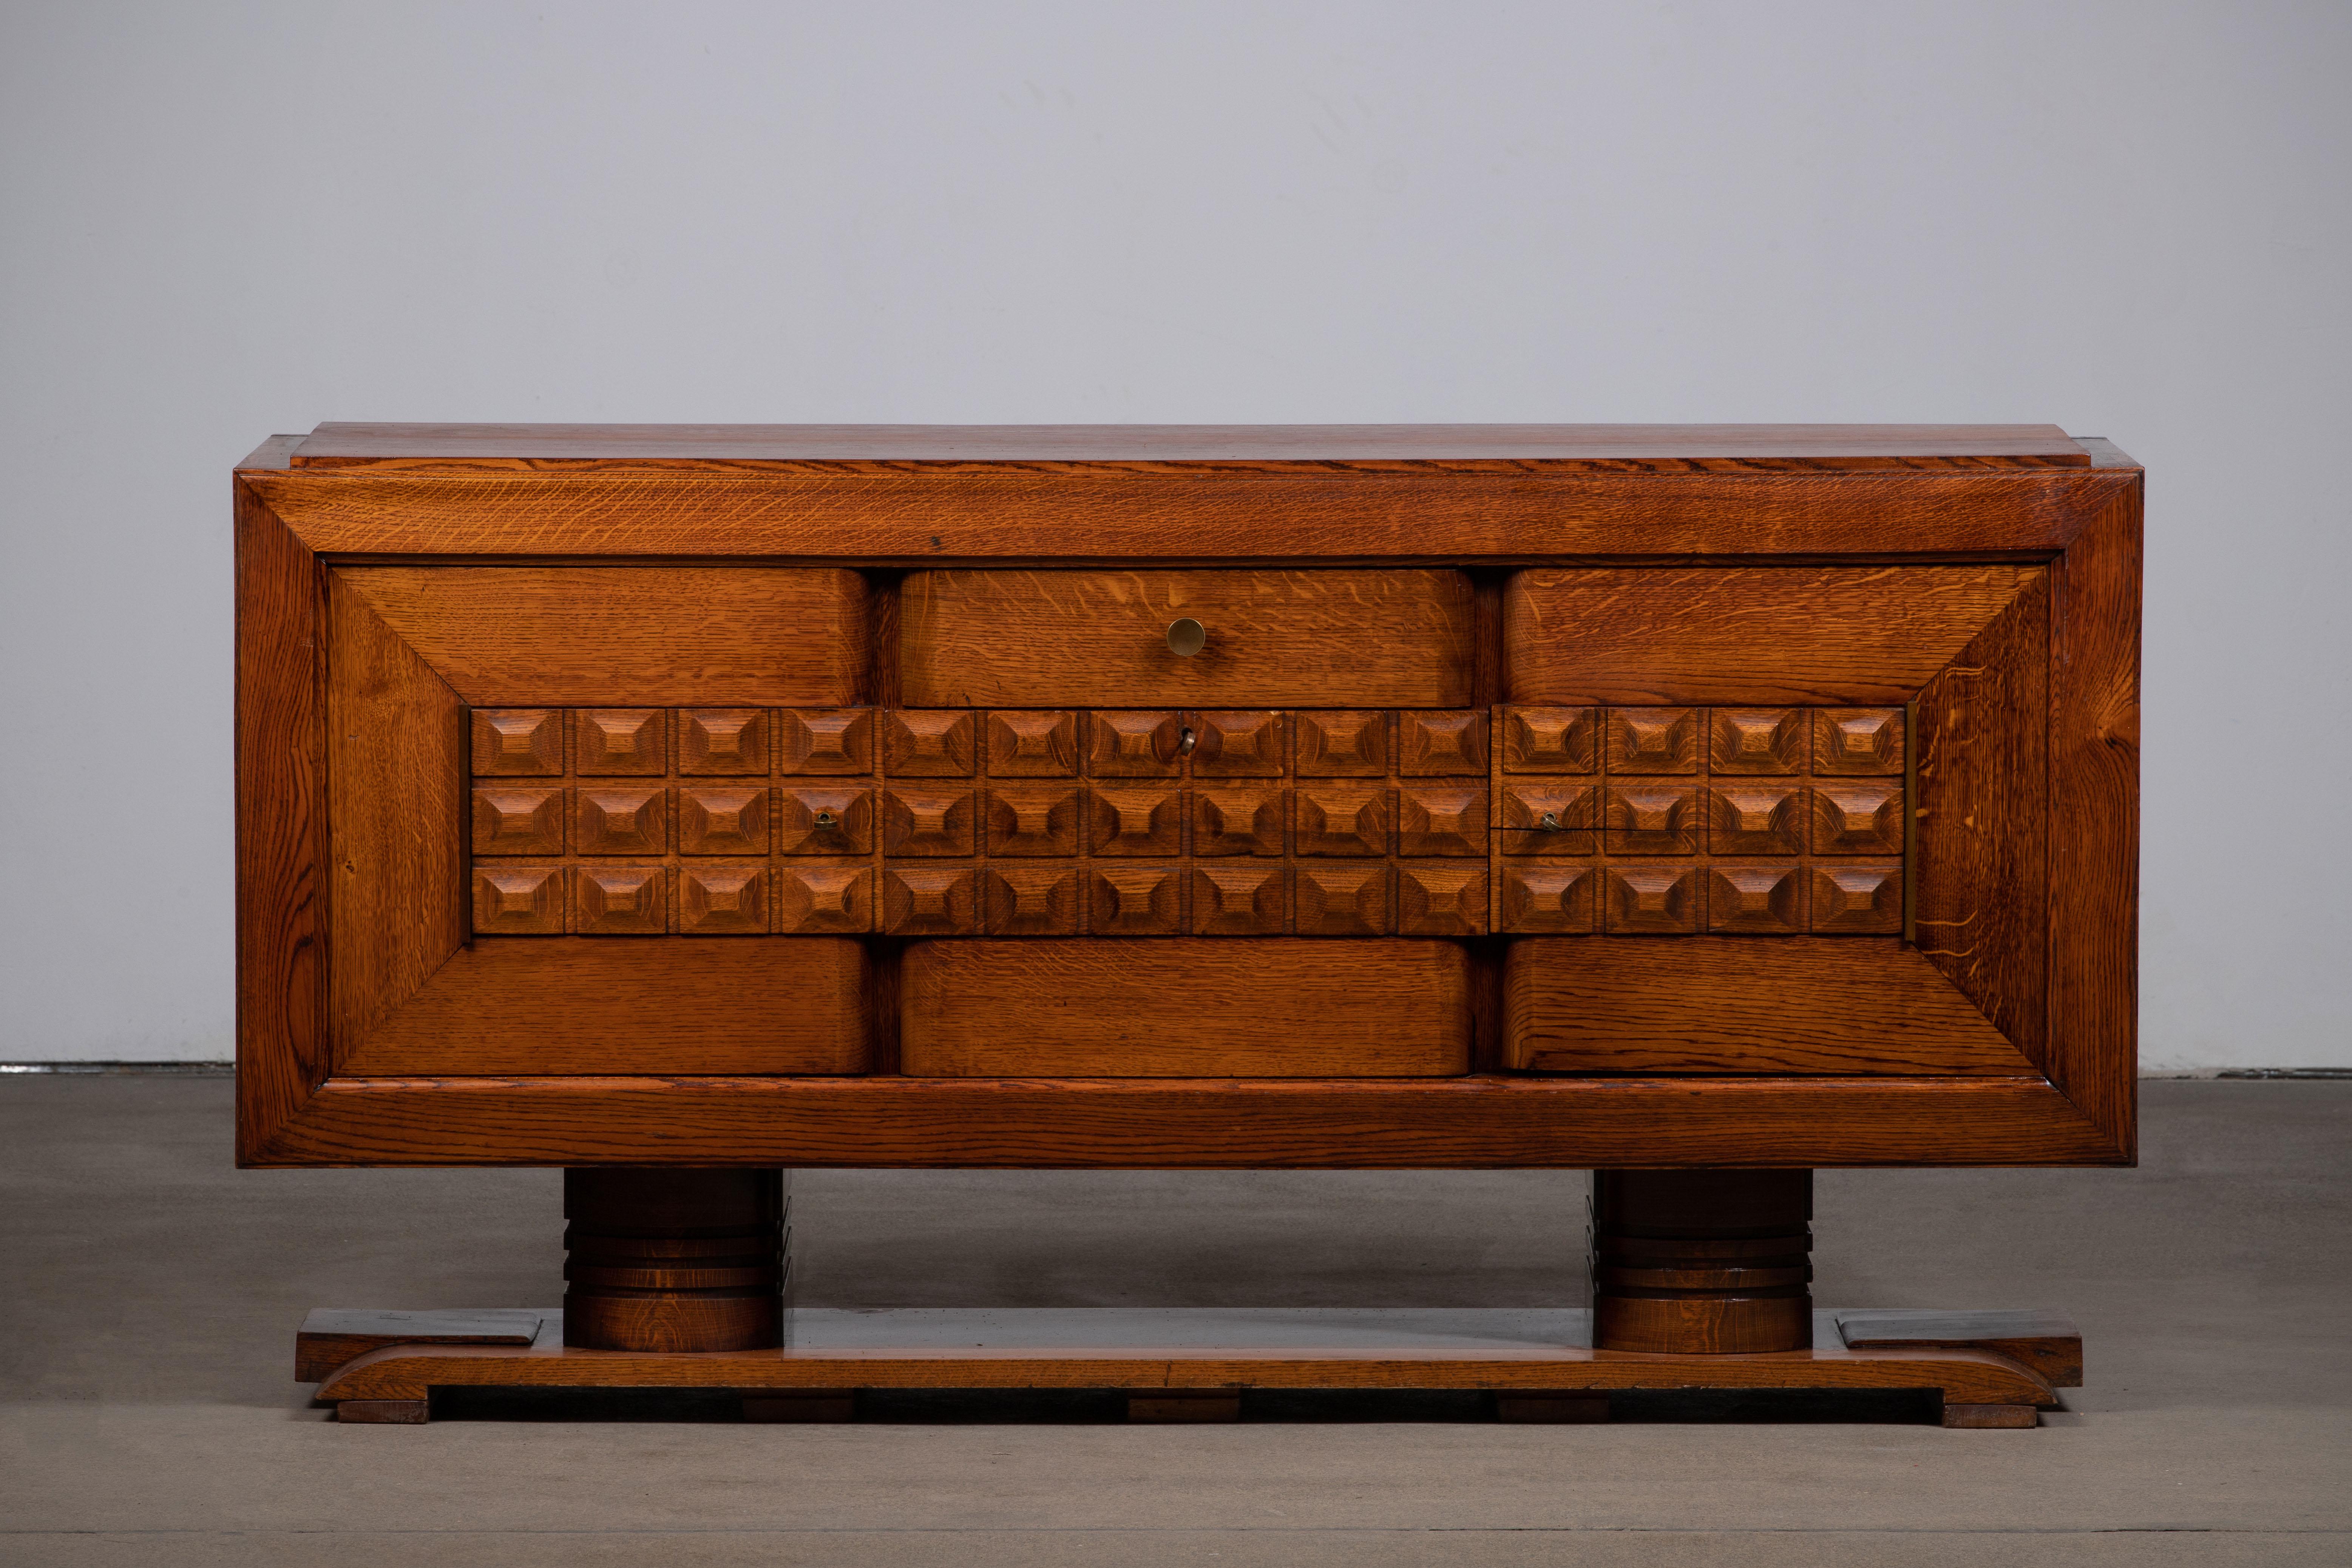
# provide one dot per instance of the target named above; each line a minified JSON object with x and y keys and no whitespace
{"x":282,"y":1051}
{"x":1982,"y":822}
{"x":395,"y":760}
{"x":2093,"y":1051}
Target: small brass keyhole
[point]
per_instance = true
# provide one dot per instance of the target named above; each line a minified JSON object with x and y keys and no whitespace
{"x":1186,"y":637}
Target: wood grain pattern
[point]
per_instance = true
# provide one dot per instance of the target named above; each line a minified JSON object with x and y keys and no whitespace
{"x":1744,"y":635}
{"x":580,"y":1004}
{"x":1673,"y":447}
{"x":1721,"y":1005}
{"x":1219,"y":1124}
{"x":1411,"y":519}
{"x":2094,"y":882}
{"x":396,"y":757}
{"x":1982,"y":821}
{"x":282,"y":1048}
{"x":1184,"y":1008}
{"x":581,"y":635}
{"x":1400,"y":638}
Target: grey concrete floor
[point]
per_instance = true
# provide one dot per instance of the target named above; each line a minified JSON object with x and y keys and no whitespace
{"x":149,"y":1294}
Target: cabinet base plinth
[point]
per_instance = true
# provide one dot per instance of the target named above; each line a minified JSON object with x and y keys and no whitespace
{"x":1991,"y":1369}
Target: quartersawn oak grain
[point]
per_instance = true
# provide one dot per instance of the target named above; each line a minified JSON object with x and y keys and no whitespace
{"x":1483,"y":1123}
{"x":1333,"y":639}
{"x":1712,"y":1006}
{"x":1184,"y":1008}
{"x":1755,"y":636}
{"x":590,"y":1005}
{"x":395,"y":746}
{"x":282,"y":1052}
{"x":735,"y":636}
{"x":1982,"y":827}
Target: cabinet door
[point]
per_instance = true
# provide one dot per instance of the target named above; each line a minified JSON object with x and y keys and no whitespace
{"x":1775,"y":820}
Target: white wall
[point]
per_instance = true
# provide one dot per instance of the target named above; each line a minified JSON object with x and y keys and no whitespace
{"x":231,"y":219}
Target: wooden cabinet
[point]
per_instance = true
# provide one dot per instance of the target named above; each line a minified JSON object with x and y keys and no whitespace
{"x":1187,"y":798}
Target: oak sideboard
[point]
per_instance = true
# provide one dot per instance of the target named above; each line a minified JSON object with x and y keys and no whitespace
{"x":681,"y":805}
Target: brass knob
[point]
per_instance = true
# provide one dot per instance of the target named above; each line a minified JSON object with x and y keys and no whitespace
{"x":1186,"y":741}
{"x":827,"y":821}
{"x":1549,"y":822}
{"x":1186,"y":637}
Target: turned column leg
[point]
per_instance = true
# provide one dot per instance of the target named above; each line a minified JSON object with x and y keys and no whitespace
{"x":673,"y":1260}
{"x":1702,"y":1262}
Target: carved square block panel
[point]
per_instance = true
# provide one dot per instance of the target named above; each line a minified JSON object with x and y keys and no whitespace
{"x":518,"y":900}
{"x":619,"y":900}
{"x":1138,"y":744}
{"x":1341,"y":899}
{"x":1342,"y":743}
{"x":1756,"y":899}
{"x":1655,"y":740}
{"x":1856,"y":897}
{"x":1639,"y":899}
{"x":1857,"y":740}
{"x":518,"y":819}
{"x":511,"y":742}
{"x":1032,"y":744}
{"x":824,"y":741}
{"x":1551,"y":740}
{"x":721,"y":899}
{"x":1766,"y":817}
{"x":620,"y":819}
{"x":1559,"y":897}
{"x":1441,"y":819}
{"x":1442,"y":898}
{"x":1546,"y":816}
{"x":1442,"y":744}
{"x":1033,"y":819}
{"x":938,"y":742}
{"x":815,"y":896}
{"x":1239,"y":820}
{"x":928,"y":819}
{"x":1238,"y":898}
{"x":819,"y":818}
{"x":1033,"y":899}
{"x":722,"y":740}
{"x":930,"y":900}
{"x":1135,"y":899}
{"x":722,"y":819}
{"x":1858,"y":816}
{"x":1237,"y":745}
{"x":1757,"y":741}
{"x":621,"y":740}
{"x":1135,"y":819}
{"x":1341,"y":818}
{"x":1651,"y":817}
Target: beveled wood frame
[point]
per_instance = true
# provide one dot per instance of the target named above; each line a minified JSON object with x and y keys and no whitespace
{"x":2084,"y":523}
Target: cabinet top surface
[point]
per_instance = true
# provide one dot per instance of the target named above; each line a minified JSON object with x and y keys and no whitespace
{"x":1833,"y":446}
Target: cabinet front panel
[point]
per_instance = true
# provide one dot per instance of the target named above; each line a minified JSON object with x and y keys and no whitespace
{"x":1268,"y":639}
{"x":1185,"y":1008}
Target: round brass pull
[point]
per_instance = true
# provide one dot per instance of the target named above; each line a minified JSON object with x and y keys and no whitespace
{"x":1186,"y":637}
{"x":1549,"y":822}
{"x":827,"y":821}
{"x":1186,"y":741}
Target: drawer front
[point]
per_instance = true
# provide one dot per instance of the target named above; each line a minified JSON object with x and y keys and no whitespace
{"x":1338,"y":638}
{"x":1185,"y":1008}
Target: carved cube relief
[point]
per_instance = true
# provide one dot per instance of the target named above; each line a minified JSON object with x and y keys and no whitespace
{"x":715,"y":822}
{"x":1730,"y":820}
